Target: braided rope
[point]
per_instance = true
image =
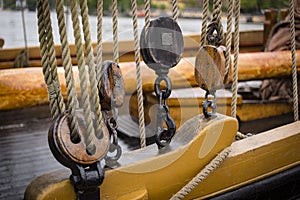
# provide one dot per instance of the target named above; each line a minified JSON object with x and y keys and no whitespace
{"x":294,"y":65}
{"x":138,"y":75}
{"x":99,"y":40}
{"x":89,"y":137}
{"x":45,"y":59}
{"x":175,"y":9}
{"x":208,"y":169}
{"x":67,"y":64}
{"x":91,"y":67}
{"x":236,"y":55}
{"x":228,"y":37}
{"x":204,"y":22}
{"x":115,"y":30}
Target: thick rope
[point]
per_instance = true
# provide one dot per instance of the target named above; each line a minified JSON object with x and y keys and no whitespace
{"x":204,"y":23}
{"x":236,"y":55}
{"x":99,"y":40}
{"x":115,"y":30}
{"x":67,"y":64}
{"x":52,"y":95}
{"x":91,"y":67}
{"x":138,"y":75}
{"x":228,"y":37}
{"x":52,"y":56}
{"x":294,"y":64}
{"x":175,"y":9}
{"x":89,"y":136}
{"x":214,"y":164}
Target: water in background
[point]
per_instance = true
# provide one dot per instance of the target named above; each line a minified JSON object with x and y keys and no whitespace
{"x":11,"y":29}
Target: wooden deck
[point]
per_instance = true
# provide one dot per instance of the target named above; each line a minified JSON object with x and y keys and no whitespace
{"x":24,"y":151}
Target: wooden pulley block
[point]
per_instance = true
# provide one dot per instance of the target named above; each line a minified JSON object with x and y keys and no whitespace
{"x":162,"y":44}
{"x":210,"y":67}
{"x":68,"y":152}
{"x":111,"y":86}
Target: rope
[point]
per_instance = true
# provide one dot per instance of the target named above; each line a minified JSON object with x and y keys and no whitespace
{"x":99,"y":40}
{"x":42,"y":10}
{"x":89,"y":137}
{"x":51,"y":55}
{"x":294,"y":65}
{"x":22,"y":59}
{"x":91,"y":67}
{"x":115,"y":30}
{"x":228,"y":37}
{"x":67,"y":64}
{"x":217,"y":17}
{"x":208,"y":169}
{"x":175,"y":9}
{"x":204,"y":23}
{"x":147,"y":16}
{"x":240,"y":136}
{"x":138,"y":75}
{"x":236,"y":55}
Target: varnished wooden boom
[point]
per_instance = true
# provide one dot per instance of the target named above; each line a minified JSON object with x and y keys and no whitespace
{"x":250,"y":41}
{"x":26,"y":87}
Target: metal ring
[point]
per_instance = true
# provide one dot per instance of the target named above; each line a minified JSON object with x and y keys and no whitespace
{"x":165,"y":93}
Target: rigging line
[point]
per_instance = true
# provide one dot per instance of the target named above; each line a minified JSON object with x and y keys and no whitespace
{"x":67,"y":64}
{"x":52,"y":58}
{"x":24,"y":26}
{"x":90,"y":132}
{"x":203,"y":174}
{"x":204,"y":23}
{"x":236,"y":55}
{"x":175,"y":9}
{"x":99,"y":40}
{"x":138,"y":75}
{"x":52,"y":86}
{"x":294,"y":65}
{"x":95,"y":103}
{"x":217,"y":17}
{"x":228,"y":37}
{"x":147,"y":16}
{"x":115,"y":30}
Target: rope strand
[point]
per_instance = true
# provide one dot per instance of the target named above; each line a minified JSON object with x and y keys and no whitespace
{"x":67,"y":64}
{"x":294,"y":64}
{"x":138,"y":75}
{"x":204,"y":23}
{"x":89,"y":133}
{"x":208,"y":169}
{"x":115,"y":30}
{"x":236,"y":55}
{"x":91,"y":67}
{"x":175,"y":9}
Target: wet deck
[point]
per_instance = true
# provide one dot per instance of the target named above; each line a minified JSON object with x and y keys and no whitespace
{"x":24,"y":151}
